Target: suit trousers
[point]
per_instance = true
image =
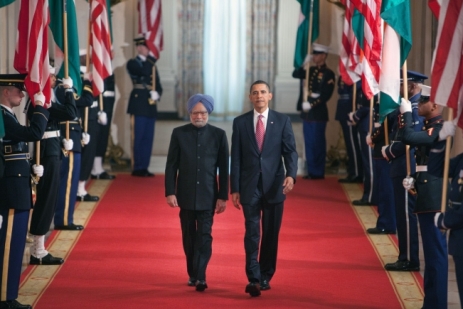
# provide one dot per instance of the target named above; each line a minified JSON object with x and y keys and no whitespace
{"x":47,"y":194}
{"x":315,"y":147}
{"x":12,"y":243}
{"x":69,"y":180}
{"x":197,"y":240}
{"x":261,"y":266}
{"x":143,"y":138}
{"x":435,"y":263}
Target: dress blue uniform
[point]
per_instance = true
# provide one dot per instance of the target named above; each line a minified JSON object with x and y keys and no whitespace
{"x":351,"y":136}
{"x":407,"y":224}
{"x":143,"y":110}
{"x":453,"y":218}
{"x":430,"y":155}
{"x":70,"y":165}
{"x":16,"y":191}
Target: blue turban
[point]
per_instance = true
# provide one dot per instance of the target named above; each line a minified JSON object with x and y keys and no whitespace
{"x":207,"y":101}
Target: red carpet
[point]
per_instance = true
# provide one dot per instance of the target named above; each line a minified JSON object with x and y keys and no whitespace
{"x":130,"y":256}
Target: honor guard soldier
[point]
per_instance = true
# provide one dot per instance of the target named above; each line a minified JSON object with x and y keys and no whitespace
{"x":361,"y":119}
{"x":50,"y":157}
{"x":16,"y":191}
{"x":2,"y":155}
{"x":430,"y":154}
{"x":452,"y":219}
{"x":385,"y":224}
{"x":142,"y":106}
{"x":350,"y":134}
{"x":71,"y":163}
{"x":395,"y":153}
{"x":314,"y":110}
{"x":104,"y":129}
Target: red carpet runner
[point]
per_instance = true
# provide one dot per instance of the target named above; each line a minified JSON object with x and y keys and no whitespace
{"x":130,"y":256}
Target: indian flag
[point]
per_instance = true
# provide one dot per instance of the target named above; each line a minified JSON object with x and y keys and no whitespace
{"x":302,"y":37}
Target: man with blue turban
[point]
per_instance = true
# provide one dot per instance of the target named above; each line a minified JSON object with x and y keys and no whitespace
{"x":197,"y":151}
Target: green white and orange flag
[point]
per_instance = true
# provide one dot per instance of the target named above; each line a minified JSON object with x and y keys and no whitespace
{"x":57,"y":29}
{"x":302,"y":37}
{"x":396,"y":47}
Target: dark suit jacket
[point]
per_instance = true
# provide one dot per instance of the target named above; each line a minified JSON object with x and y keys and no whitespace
{"x":195,"y":155}
{"x":278,"y":153}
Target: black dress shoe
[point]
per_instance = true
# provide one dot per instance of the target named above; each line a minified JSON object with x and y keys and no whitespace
{"x":201,"y":285}
{"x":87,"y":198}
{"x":314,"y":177}
{"x":191,"y":282}
{"x":402,"y":266}
{"x":350,"y":179}
{"x":142,"y":173}
{"x":46,"y":260}
{"x":361,"y":203}
{"x":103,"y":175}
{"x":265,"y":285}
{"x":253,"y":289}
{"x":13,"y":304}
{"x":70,"y":227}
{"x":375,"y":230}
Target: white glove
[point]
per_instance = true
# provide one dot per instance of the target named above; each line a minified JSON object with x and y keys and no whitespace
{"x":88,"y":76}
{"x":383,"y":151}
{"x":436,"y":220}
{"x":408,"y":183}
{"x":68,"y":144}
{"x":448,"y":129}
{"x":102,"y":118}
{"x":368,"y":140}
{"x":1,"y":221}
{"x":405,"y":106}
{"x":377,"y":125}
{"x":314,"y":95}
{"x":306,"y":106}
{"x":67,"y":82}
{"x":85,"y":138}
{"x":38,"y":170}
{"x":351,"y":117}
{"x":154,"y":95}
{"x":307,"y":60}
{"x":39,"y":97}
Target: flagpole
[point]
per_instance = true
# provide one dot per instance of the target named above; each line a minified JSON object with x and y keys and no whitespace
{"x":372,"y":106}
{"x":87,"y":59}
{"x":407,"y":147}
{"x":309,"y":44}
{"x":65,"y":51}
{"x":354,"y":97}
{"x":445,"y":178}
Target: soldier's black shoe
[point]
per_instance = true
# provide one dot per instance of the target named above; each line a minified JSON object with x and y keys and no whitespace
{"x":314,"y":177}
{"x":351,"y":179}
{"x":191,"y":282}
{"x":253,"y":289}
{"x":13,"y":304}
{"x":87,"y":198}
{"x":375,"y":230}
{"x":402,"y":266}
{"x":142,"y":173}
{"x":201,"y":285}
{"x":361,"y":203}
{"x":70,"y":227}
{"x":265,"y":285}
{"x":103,"y":175}
{"x":46,"y":260}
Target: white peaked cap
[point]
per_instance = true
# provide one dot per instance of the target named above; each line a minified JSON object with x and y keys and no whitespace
{"x":425,"y":91}
{"x":319,"y":48}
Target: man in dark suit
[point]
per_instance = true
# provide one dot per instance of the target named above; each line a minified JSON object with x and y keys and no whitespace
{"x":16,"y":191}
{"x":263,"y":147}
{"x":196,"y":151}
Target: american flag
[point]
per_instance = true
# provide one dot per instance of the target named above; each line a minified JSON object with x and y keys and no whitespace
{"x":447,"y":67}
{"x":347,"y":62}
{"x":31,"y":55}
{"x":101,"y":45}
{"x":150,"y":25}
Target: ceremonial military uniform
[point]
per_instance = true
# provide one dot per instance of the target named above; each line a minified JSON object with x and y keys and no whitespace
{"x":350,"y":133}
{"x":2,"y":155}
{"x":71,"y":163}
{"x":16,"y":192}
{"x":50,"y":159}
{"x":143,"y":111}
{"x":430,"y":154}
{"x":386,"y":222}
{"x":407,"y":224}
{"x":321,"y":87}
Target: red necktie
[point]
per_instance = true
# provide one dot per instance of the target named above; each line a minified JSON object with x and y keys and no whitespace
{"x":260,"y":132}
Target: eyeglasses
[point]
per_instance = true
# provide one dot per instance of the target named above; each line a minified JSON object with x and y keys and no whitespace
{"x":199,"y":113}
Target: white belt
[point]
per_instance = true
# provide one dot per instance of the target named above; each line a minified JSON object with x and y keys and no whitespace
{"x":50,"y":134}
{"x":314,"y":95}
{"x":95,"y":104}
{"x":421,"y":168}
{"x":109,"y":93}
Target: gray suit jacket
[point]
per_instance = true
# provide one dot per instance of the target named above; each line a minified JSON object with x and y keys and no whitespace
{"x":278,"y":154}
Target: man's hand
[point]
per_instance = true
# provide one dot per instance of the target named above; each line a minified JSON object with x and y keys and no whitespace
{"x":405,"y":106}
{"x":68,"y":144}
{"x":306,"y":106}
{"x":38,"y":170}
{"x":220,"y":206}
{"x":383,"y":151}
{"x":88,"y":76}
{"x":67,"y":83}
{"x":369,"y":141}
{"x":288,"y":185}
{"x":236,"y":200}
{"x":351,"y":120}
{"x":154,"y":95}
{"x":172,"y":200}
{"x":102,"y":118}
{"x":85,"y":138}
{"x":39,"y":99}
{"x":448,"y":129}
{"x":408,"y":183}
